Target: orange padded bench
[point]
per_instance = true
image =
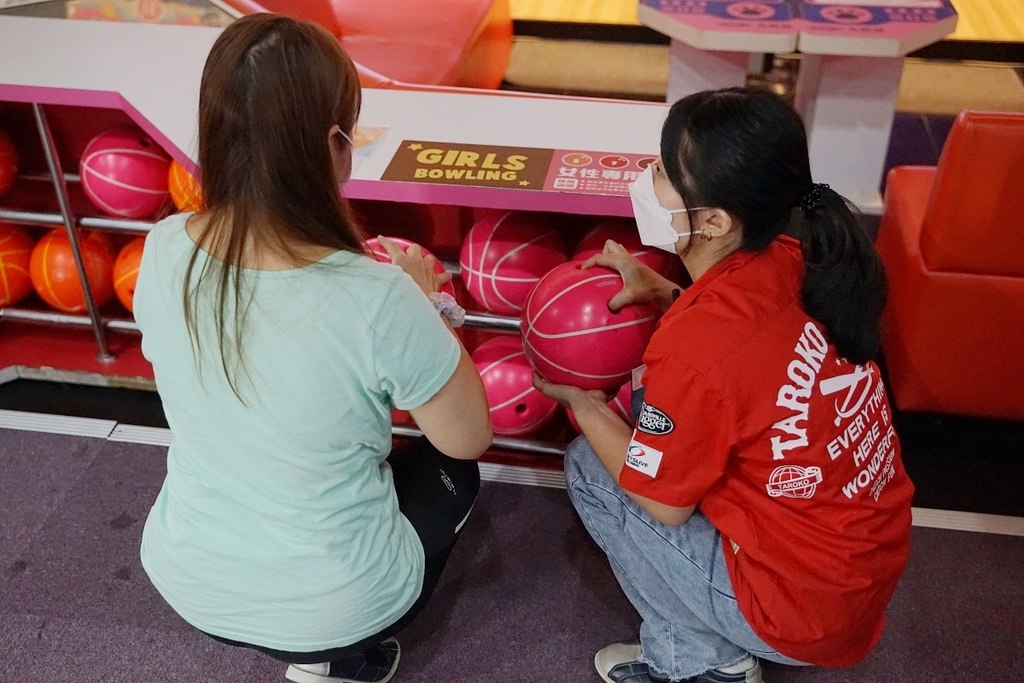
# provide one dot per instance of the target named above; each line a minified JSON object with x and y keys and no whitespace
{"x":952,"y":239}
{"x":463,"y":43}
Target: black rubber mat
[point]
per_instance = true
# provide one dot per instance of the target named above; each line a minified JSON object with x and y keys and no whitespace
{"x":129,"y":406}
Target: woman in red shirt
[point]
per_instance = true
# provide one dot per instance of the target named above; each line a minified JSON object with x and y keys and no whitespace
{"x":759,"y":508}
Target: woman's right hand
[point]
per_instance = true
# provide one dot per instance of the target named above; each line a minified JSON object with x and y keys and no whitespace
{"x":419,"y":266}
{"x":640,"y":283}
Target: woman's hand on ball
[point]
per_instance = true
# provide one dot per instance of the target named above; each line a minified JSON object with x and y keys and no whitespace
{"x":419,"y":266}
{"x":567,"y":395}
{"x":640,"y":284}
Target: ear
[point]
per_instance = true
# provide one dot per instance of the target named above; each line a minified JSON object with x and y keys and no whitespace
{"x":341,"y":156}
{"x":718,"y":223}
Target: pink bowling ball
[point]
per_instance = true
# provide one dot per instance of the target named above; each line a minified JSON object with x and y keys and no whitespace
{"x":379,"y":253}
{"x":124,"y":173}
{"x":505,"y":254}
{"x":623,"y":231}
{"x":571,"y":337}
{"x":517,"y":408}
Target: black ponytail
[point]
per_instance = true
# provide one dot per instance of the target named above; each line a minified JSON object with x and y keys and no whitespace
{"x":844,"y":286}
{"x":745,"y":151}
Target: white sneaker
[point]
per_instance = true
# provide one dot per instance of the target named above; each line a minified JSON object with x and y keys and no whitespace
{"x":622,"y":663}
{"x":746,"y":671}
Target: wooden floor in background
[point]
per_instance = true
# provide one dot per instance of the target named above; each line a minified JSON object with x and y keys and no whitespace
{"x":575,"y":11}
{"x":640,"y":72}
{"x":983,"y":20}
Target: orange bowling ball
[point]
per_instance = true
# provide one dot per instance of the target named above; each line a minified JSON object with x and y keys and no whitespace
{"x":55,"y":276}
{"x":15,"y":253}
{"x":185,"y":191}
{"x":126,"y":271}
{"x":8,"y":162}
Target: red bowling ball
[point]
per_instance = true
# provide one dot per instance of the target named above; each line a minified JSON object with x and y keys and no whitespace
{"x":505,"y":254}
{"x":8,"y":162}
{"x":516,"y":407}
{"x":571,"y":337}
{"x":620,"y":403}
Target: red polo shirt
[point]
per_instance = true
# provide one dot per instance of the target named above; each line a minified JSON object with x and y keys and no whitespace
{"x":787,"y":449}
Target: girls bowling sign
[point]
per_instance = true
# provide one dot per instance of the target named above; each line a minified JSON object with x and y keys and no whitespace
{"x":519,"y":168}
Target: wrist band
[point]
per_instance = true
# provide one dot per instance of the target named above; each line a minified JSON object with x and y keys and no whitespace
{"x":446,"y":305}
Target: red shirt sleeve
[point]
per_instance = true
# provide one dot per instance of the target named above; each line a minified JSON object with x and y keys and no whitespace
{"x":682,"y":438}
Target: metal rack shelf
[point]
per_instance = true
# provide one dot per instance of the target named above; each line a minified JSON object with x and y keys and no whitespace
{"x":71,"y":223}
{"x":35,"y":316}
{"x":101,"y":324}
{"x":95,"y":222}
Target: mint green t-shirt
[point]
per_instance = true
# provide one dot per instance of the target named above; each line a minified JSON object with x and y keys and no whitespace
{"x":277,"y":524}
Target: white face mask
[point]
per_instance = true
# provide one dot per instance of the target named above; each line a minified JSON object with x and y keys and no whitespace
{"x":342,"y":170}
{"x":654,"y":221}
{"x":345,"y":135}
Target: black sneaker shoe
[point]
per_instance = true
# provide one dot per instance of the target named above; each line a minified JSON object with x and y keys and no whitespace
{"x":621,"y":663}
{"x":376,"y":665}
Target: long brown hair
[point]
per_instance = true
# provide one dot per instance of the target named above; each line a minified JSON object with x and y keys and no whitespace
{"x":271,"y":90}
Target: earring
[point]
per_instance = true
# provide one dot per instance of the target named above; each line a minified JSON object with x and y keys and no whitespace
{"x":707,"y":236}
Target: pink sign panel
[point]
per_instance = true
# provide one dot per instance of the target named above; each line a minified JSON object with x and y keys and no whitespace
{"x":745,"y":16}
{"x":602,"y":173}
{"x":876,"y":18}
{"x":869,"y":18}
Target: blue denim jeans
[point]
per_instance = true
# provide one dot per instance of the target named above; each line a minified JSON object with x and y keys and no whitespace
{"x":675,"y":577}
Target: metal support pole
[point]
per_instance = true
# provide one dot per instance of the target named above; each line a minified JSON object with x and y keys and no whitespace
{"x":61,"y":190}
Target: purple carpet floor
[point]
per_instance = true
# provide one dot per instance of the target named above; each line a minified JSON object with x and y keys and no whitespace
{"x":526,"y":596}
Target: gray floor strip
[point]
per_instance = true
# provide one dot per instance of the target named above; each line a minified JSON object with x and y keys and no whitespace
{"x":508,"y":474}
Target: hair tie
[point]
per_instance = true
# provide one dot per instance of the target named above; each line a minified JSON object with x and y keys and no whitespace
{"x":812,"y":200}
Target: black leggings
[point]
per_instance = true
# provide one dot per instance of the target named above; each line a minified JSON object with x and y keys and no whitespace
{"x":435,"y":493}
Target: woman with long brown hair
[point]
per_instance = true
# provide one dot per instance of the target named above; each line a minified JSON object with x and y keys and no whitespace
{"x":286,"y":522}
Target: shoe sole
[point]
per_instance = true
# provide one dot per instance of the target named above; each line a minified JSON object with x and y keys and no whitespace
{"x":297,"y":675}
{"x":600,"y":673}
{"x":603,"y":668}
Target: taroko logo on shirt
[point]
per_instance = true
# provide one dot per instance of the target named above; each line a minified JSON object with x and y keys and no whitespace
{"x":654,"y":421}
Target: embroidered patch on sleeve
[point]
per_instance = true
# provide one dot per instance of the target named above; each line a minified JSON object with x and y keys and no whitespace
{"x":643,"y":458}
{"x":654,"y":421}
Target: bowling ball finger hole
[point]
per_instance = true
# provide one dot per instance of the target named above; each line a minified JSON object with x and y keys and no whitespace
{"x":520,"y":408}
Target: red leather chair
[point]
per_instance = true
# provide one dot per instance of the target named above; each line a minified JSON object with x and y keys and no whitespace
{"x":462,"y":43}
{"x":952,"y":240}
